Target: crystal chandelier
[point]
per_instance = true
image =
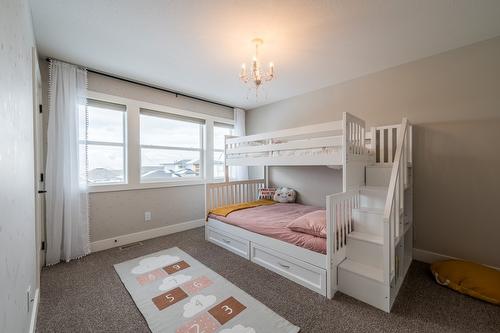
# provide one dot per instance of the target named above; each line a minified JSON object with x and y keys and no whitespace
{"x":256,"y":78}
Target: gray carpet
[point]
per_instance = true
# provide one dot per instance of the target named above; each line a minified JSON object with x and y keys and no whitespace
{"x":86,"y":295}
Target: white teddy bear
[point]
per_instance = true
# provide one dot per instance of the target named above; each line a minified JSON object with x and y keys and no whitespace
{"x":284,"y":195}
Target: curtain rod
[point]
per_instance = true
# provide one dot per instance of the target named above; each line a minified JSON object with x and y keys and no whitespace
{"x":176,"y":93}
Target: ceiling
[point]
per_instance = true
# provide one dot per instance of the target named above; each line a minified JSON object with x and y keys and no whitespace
{"x":197,"y":47}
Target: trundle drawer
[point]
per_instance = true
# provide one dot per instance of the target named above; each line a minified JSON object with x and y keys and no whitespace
{"x":232,"y":243}
{"x":296,"y":270}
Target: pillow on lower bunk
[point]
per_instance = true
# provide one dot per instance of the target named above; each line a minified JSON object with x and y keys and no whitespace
{"x":266,"y":193}
{"x":284,"y":195}
{"x":469,"y":278}
{"x":313,"y":223}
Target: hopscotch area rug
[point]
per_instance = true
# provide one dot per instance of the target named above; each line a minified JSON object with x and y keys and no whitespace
{"x":176,"y":293}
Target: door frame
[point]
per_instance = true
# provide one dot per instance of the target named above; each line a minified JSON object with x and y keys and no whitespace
{"x":39,"y":171}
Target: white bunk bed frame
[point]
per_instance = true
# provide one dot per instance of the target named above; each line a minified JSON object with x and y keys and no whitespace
{"x":340,"y":144}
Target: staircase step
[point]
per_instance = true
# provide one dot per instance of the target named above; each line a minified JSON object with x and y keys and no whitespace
{"x":376,"y":189}
{"x":365,"y":248}
{"x":364,"y":283}
{"x":367,"y":237}
{"x":369,"y":220}
{"x":378,"y":175}
{"x":367,"y":271}
{"x":370,"y":210}
{"x":373,"y":196}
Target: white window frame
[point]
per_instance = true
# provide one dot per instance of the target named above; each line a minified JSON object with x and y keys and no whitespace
{"x":200,"y":150}
{"x":112,"y":144}
{"x":133,"y":145}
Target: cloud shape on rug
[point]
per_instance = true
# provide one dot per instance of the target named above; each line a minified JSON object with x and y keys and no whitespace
{"x":173,"y":281}
{"x":152,"y":263}
{"x":197,"y":304}
{"x":238,"y":329}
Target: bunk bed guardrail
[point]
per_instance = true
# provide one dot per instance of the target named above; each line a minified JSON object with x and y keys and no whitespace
{"x":339,"y":208}
{"x":319,"y":144}
{"x":354,"y":135}
{"x":383,"y":141}
{"x":233,"y":192}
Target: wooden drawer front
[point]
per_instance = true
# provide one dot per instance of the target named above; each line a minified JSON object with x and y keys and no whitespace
{"x":232,"y":243}
{"x":296,"y":270}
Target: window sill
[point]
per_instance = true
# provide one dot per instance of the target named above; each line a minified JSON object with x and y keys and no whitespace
{"x":144,"y":186}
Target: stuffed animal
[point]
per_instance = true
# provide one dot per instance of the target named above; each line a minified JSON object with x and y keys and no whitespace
{"x":284,"y":195}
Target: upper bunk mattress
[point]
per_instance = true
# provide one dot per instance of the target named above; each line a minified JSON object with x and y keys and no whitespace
{"x":272,"y":221}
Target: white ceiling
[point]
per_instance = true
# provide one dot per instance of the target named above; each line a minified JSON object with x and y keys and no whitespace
{"x":197,"y":47}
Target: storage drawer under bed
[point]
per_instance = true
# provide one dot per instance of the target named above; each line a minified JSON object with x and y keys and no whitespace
{"x":231,"y":243}
{"x":296,"y":270}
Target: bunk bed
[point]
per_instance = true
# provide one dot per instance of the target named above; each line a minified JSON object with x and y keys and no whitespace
{"x":259,"y":233}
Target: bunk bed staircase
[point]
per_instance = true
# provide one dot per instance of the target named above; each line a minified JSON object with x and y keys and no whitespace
{"x":374,"y":247}
{"x":369,"y":224}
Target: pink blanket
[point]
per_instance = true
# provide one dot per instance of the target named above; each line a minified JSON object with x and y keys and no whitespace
{"x":272,"y":221}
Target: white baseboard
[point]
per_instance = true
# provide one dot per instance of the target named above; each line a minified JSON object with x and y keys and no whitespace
{"x":109,"y":243}
{"x":430,"y":257}
{"x":34,"y":311}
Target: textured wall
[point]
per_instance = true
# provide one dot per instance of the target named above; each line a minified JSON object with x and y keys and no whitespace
{"x":122,"y":212}
{"x":17,"y":207}
{"x":453,"y":100}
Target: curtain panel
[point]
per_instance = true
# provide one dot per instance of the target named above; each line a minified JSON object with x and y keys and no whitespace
{"x":239,"y":172}
{"x":67,"y":222}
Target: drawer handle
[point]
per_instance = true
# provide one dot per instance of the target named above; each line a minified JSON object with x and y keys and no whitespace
{"x":283,"y":265}
{"x":227,"y":241}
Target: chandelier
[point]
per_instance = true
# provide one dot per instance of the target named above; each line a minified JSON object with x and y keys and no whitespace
{"x":256,"y":78}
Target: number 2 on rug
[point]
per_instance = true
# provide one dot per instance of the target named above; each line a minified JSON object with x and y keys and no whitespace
{"x":201,"y":324}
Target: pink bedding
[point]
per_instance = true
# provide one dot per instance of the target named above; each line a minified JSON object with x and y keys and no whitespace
{"x":272,"y":221}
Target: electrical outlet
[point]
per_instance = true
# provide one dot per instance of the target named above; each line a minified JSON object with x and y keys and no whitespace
{"x":147,"y":216}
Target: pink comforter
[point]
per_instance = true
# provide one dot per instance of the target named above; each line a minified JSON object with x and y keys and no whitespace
{"x":272,"y":221}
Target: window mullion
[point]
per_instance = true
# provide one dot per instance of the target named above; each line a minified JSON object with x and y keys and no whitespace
{"x":209,"y":149}
{"x":133,"y":144}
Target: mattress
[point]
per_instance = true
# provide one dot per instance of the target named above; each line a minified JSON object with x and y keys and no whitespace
{"x":272,"y":221}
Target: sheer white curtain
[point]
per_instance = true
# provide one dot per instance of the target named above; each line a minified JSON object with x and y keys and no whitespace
{"x":239,"y":172}
{"x":66,"y":199}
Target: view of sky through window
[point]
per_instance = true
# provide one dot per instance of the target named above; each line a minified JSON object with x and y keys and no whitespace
{"x":170,"y":148}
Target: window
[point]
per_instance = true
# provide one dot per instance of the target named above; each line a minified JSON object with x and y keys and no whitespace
{"x":220,"y":131}
{"x":105,"y":142}
{"x":171,"y":146}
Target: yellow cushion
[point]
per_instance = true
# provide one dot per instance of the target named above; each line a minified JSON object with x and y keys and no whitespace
{"x":469,"y":278}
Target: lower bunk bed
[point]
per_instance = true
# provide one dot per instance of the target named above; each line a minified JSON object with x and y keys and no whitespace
{"x":260,"y":234}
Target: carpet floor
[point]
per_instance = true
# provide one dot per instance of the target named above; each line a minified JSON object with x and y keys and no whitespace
{"x":86,"y":295}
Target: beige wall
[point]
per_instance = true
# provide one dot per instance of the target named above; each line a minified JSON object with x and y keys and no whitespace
{"x":453,"y":99}
{"x":122,"y":212}
{"x":312,"y":183}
